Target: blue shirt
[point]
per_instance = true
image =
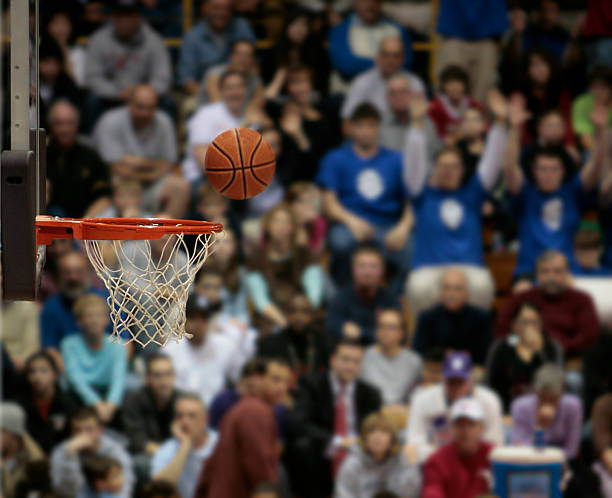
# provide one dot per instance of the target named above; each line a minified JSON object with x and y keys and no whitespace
{"x":200,"y":50}
{"x":370,"y":188}
{"x":190,"y":476}
{"x":546,"y":221}
{"x":57,"y":320}
{"x":448,"y":225}
{"x":472,"y":19}
{"x":90,"y":372}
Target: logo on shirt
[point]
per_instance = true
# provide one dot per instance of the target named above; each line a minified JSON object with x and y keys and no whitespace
{"x":370,"y":185}
{"x":552,"y":211}
{"x":451,"y":213}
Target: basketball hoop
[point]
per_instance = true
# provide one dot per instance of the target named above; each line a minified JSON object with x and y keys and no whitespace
{"x":146,"y":264}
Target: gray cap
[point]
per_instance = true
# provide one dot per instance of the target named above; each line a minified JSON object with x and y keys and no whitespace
{"x":12,"y":418}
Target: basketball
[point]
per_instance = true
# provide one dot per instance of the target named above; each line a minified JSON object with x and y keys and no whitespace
{"x":240,"y":163}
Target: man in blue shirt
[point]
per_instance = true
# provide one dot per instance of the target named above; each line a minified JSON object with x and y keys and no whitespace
{"x":548,"y":209}
{"x":365,"y":198}
{"x":354,"y":42}
{"x":209,"y":43}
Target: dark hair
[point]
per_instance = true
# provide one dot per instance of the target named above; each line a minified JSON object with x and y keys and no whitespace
{"x":84,"y":413}
{"x":49,"y":48}
{"x":255,"y":366}
{"x":41,"y":355}
{"x":601,"y":73}
{"x":454,"y":73}
{"x":365,"y":110}
{"x":159,"y":489}
{"x":434,"y":355}
{"x":229,"y":74}
{"x":96,"y":467}
{"x":153,"y":357}
{"x":347,"y":341}
{"x":386,"y":494}
{"x":449,"y":149}
{"x":587,"y":238}
{"x":548,"y":151}
{"x":527,"y":305}
{"x":367,"y":248}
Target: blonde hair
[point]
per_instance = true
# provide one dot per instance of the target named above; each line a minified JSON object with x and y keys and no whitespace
{"x":120,"y":183}
{"x":378,"y":421}
{"x":206,"y":191}
{"x":85,"y":301}
{"x":297,"y":189}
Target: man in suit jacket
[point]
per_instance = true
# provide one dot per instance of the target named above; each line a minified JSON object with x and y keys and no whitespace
{"x":328,"y":411}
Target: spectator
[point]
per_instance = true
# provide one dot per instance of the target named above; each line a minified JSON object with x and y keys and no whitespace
{"x":122,"y":55}
{"x":87,"y":438}
{"x":349,"y":52}
{"x":209,"y":42}
{"x":57,"y":319}
{"x":396,"y":121}
{"x":46,"y":406}
{"x":597,"y":31}
{"x":377,"y":463}
{"x":469,"y":40}
{"x":249,"y":384}
{"x":60,"y":27}
{"x":454,"y":324}
{"x":559,"y":415}
{"x":279,"y":268}
{"x":79,"y":179}
{"x":159,"y":489}
{"x":18,"y":448}
{"x":433,"y":366}
{"x":305,"y":201}
{"x":513,"y":361}
{"x":55,"y":83}
{"x":241,"y":59}
{"x":181,"y":460}
{"x":428,"y":424}
{"x":247,"y":453}
{"x":388,"y":365}
{"x":95,"y":367}
{"x":548,"y":210}
{"x":104,"y":477}
{"x":597,"y":369}
{"x":459,"y":469}
{"x":126,"y":200}
{"x":301,"y":343}
{"x":211,"y":119}
{"x":20,"y":330}
{"x":588,"y":252}
{"x":138,"y":142}
{"x":568,"y":315}
{"x":365,"y":198}
{"x":601,"y":423}
{"x":205,"y":362}
{"x":448,"y":213}
{"x":352,"y":312}
{"x":447,"y":109}
{"x":472,"y":135}
{"x":371,"y":85}
{"x":147,"y":412}
{"x":593,"y":110}
{"x":550,"y":132}
{"x":330,"y":406}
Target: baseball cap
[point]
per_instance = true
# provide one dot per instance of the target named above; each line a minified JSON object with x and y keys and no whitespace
{"x":12,"y":418}
{"x":457,"y":366}
{"x":467,"y":408}
{"x":198,"y":304}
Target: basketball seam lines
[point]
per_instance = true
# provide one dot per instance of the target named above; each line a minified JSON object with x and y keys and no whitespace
{"x":260,"y":165}
{"x":233,"y":167}
{"x":244,"y":185}
{"x":251,"y":162}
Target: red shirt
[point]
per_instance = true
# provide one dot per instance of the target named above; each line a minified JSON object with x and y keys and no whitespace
{"x":449,"y":475}
{"x":43,"y":408}
{"x":569,"y":318}
{"x":598,"y":19}
{"x":447,"y":119}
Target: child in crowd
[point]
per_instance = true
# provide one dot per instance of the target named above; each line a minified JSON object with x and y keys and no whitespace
{"x":588,"y":250}
{"x":104,"y":477}
{"x":126,"y":200}
{"x":305,"y":201}
{"x":447,"y":109}
{"x":96,"y":368}
{"x":599,"y":95}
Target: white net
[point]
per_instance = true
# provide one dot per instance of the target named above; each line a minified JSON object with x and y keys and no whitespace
{"x":149,"y":282}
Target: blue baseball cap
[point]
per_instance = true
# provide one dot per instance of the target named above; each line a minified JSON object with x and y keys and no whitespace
{"x":457,"y":366}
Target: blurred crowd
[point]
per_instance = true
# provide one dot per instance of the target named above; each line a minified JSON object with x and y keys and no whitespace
{"x":428,"y":275}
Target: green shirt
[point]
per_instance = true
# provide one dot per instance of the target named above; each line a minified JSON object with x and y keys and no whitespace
{"x":581,"y":115}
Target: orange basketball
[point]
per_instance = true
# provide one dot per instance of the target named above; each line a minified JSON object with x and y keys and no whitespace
{"x":240,"y":163}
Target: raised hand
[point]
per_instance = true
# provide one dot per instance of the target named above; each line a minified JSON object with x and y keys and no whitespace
{"x":497,"y":104}
{"x":517,"y":112}
{"x":599,"y":116}
{"x":418,"y":107}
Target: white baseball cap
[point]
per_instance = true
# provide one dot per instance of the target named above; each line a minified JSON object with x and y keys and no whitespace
{"x":467,"y":408}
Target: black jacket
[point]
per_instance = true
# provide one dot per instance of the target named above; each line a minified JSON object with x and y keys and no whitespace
{"x":142,"y":420}
{"x":56,"y":428}
{"x":311,"y":430}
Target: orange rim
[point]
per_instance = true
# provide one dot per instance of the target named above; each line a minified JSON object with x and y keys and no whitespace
{"x":49,"y":228}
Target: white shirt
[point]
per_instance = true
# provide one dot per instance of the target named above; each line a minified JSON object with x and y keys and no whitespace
{"x":349,"y":411}
{"x":428,"y":425}
{"x":207,"y":122}
{"x":371,"y":87}
{"x":243,"y":337}
{"x":203,"y":369}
